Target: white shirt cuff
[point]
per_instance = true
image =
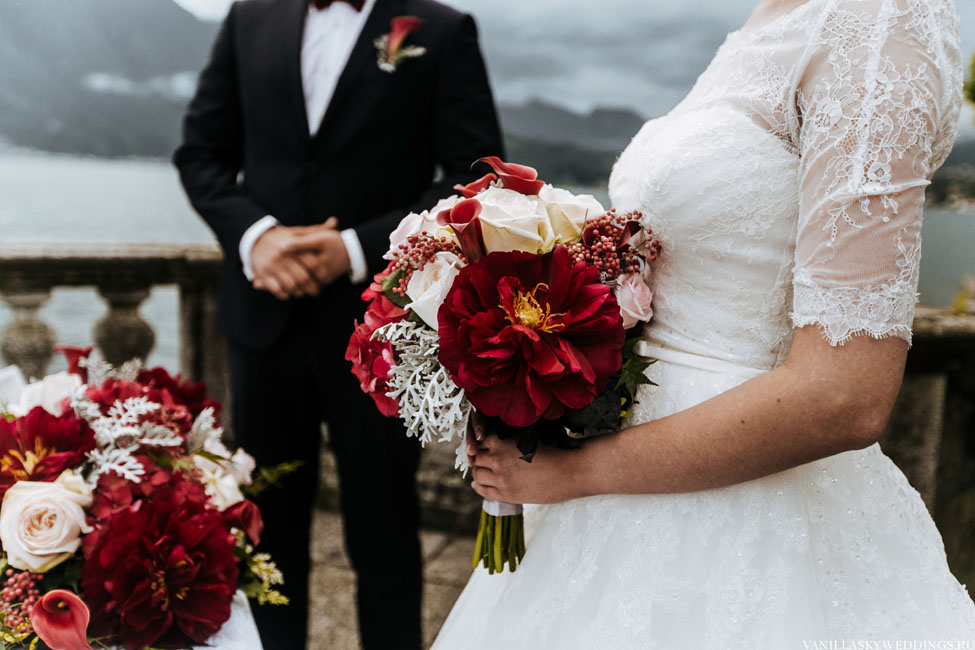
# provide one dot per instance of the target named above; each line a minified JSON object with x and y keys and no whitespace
{"x":251,"y":235}
{"x":358,"y":269}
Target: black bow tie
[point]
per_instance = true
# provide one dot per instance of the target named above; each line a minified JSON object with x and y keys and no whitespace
{"x":324,"y":4}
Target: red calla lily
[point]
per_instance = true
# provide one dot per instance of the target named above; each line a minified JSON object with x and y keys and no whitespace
{"x":462,"y":219}
{"x":60,"y":619}
{"x":74,"y":355}
{"x":471,"y":190}
{"x":518,"y":178}
{"x":400,"y":28}
{"x":245,"y":516}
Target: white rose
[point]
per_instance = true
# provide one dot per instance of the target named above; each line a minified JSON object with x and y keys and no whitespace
{"x":41,"y":524}
{"x":49,"y":393}
{"x":568,"y":212}
{"x":511,"y":221}
{"x":428,"y":287}
{"x":418,"y":223}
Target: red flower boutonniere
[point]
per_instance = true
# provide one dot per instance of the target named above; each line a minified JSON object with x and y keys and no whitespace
{"x":390,"y":48}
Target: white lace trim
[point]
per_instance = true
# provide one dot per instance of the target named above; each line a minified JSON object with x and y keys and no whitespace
{"x":846,"y":312}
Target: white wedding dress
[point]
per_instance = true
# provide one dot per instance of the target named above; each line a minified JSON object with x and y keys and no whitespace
{"x":787,"y":189}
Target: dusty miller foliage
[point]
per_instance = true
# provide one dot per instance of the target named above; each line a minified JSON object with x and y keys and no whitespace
{"x":432,"y":406}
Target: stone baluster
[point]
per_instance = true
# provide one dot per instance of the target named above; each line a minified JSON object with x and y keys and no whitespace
{"x":27,"y":341}
{"x":122,"y":334}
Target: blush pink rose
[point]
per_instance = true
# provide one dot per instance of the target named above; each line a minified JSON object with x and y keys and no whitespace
{"x":634,"y":297}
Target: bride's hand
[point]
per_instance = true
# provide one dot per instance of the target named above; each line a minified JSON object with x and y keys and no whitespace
{"x":501,"y":475}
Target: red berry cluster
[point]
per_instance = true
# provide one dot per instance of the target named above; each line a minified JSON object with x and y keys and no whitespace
{"x":17,"y":597}
{"x":607,"y":244}
{"x":416,"y":252}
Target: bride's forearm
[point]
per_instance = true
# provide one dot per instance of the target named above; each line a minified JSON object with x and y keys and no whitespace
{"x":822,"y":401}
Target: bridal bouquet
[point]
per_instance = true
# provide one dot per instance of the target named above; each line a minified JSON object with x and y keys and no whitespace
{"x":122,"y":514}
{"x":513,"y":299}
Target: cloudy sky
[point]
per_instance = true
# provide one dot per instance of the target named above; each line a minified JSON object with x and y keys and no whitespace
{"x":642,"y":54}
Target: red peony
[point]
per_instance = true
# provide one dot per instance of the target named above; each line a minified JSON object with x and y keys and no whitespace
{"x":161,"y":572}
{"x":372,"y":359}
{"x":39,"y":446}
{"x":528,"y":336}
{"x":171,"y":412}
{"x":183,"y":391}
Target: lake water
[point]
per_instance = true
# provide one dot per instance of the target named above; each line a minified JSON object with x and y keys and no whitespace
{"x":48,"y":198}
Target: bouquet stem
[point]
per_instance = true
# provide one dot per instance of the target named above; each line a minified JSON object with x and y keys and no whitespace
{"x":500,"y":537}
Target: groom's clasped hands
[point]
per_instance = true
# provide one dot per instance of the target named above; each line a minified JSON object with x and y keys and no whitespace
{"x":298,"y":261}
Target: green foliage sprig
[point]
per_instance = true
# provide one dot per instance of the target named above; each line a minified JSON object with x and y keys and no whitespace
{"x":265,"y":477}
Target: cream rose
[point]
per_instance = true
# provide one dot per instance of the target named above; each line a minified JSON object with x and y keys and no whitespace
{"x":49,"y":393}
{"x":568,"y":212}
{"x":514,"y":222}
{"x":428,"y":287}
{"x":634,"y":297}
{"x":418,"y":223}
{"x":222,"y":481}
{"x":41,"y":524}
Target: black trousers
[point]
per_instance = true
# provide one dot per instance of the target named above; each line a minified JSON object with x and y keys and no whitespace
{"x":281,"y":395}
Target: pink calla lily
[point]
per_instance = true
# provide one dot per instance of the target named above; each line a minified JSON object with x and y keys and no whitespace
{"x":514,"y":177}
{"x":60,"y":619}
{"x":400,"y":28}
{"x":471,"y":190}
{"x":462,"y":219}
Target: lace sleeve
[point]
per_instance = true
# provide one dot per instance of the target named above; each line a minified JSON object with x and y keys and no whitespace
{"x":878,"y":104}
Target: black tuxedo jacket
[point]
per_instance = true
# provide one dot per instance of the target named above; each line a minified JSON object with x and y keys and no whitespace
{"x":247,"y":152}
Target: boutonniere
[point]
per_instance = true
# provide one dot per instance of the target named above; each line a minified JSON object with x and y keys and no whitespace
{"x":390,"y":48}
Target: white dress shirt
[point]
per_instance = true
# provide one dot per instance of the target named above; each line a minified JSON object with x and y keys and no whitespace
{"x":328,"y":39}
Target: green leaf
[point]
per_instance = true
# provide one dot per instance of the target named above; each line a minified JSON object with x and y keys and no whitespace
{"x":216,"y":458}
{"x":268,"y":476}
{"x":391,"y":281}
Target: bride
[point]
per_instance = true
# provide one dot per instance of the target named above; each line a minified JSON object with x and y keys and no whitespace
{"x":749,"y":505}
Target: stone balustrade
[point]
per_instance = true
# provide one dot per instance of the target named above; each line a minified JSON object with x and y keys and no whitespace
{"x":931,"y":434}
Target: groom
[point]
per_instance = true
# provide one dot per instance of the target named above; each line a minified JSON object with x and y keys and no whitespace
{"x":314,"y":129}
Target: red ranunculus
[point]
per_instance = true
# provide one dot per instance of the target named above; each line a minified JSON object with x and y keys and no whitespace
{"x":372,"y":359}
{"x":39,"y":446}
{"x":529,"y":336}
{"x":161,"y":572}
{"x":60,"y":619}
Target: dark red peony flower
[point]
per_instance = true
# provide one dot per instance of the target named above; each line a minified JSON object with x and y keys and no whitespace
{"x":529,"y":336}
{"x":183,"y":391}
{"x":161,"y":572}
{"x":113,"y":493}
{"x":39,"y":446}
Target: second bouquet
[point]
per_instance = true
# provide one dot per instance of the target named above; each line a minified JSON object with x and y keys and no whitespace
{"x":512,"y":299}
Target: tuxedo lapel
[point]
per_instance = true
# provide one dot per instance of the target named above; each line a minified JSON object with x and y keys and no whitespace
{"x":289,"y":64}
{"x":362,"y":57}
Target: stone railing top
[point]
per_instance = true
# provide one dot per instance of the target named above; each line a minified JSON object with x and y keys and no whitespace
{"x":936,"y":322}
{"x":28,"y":267}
